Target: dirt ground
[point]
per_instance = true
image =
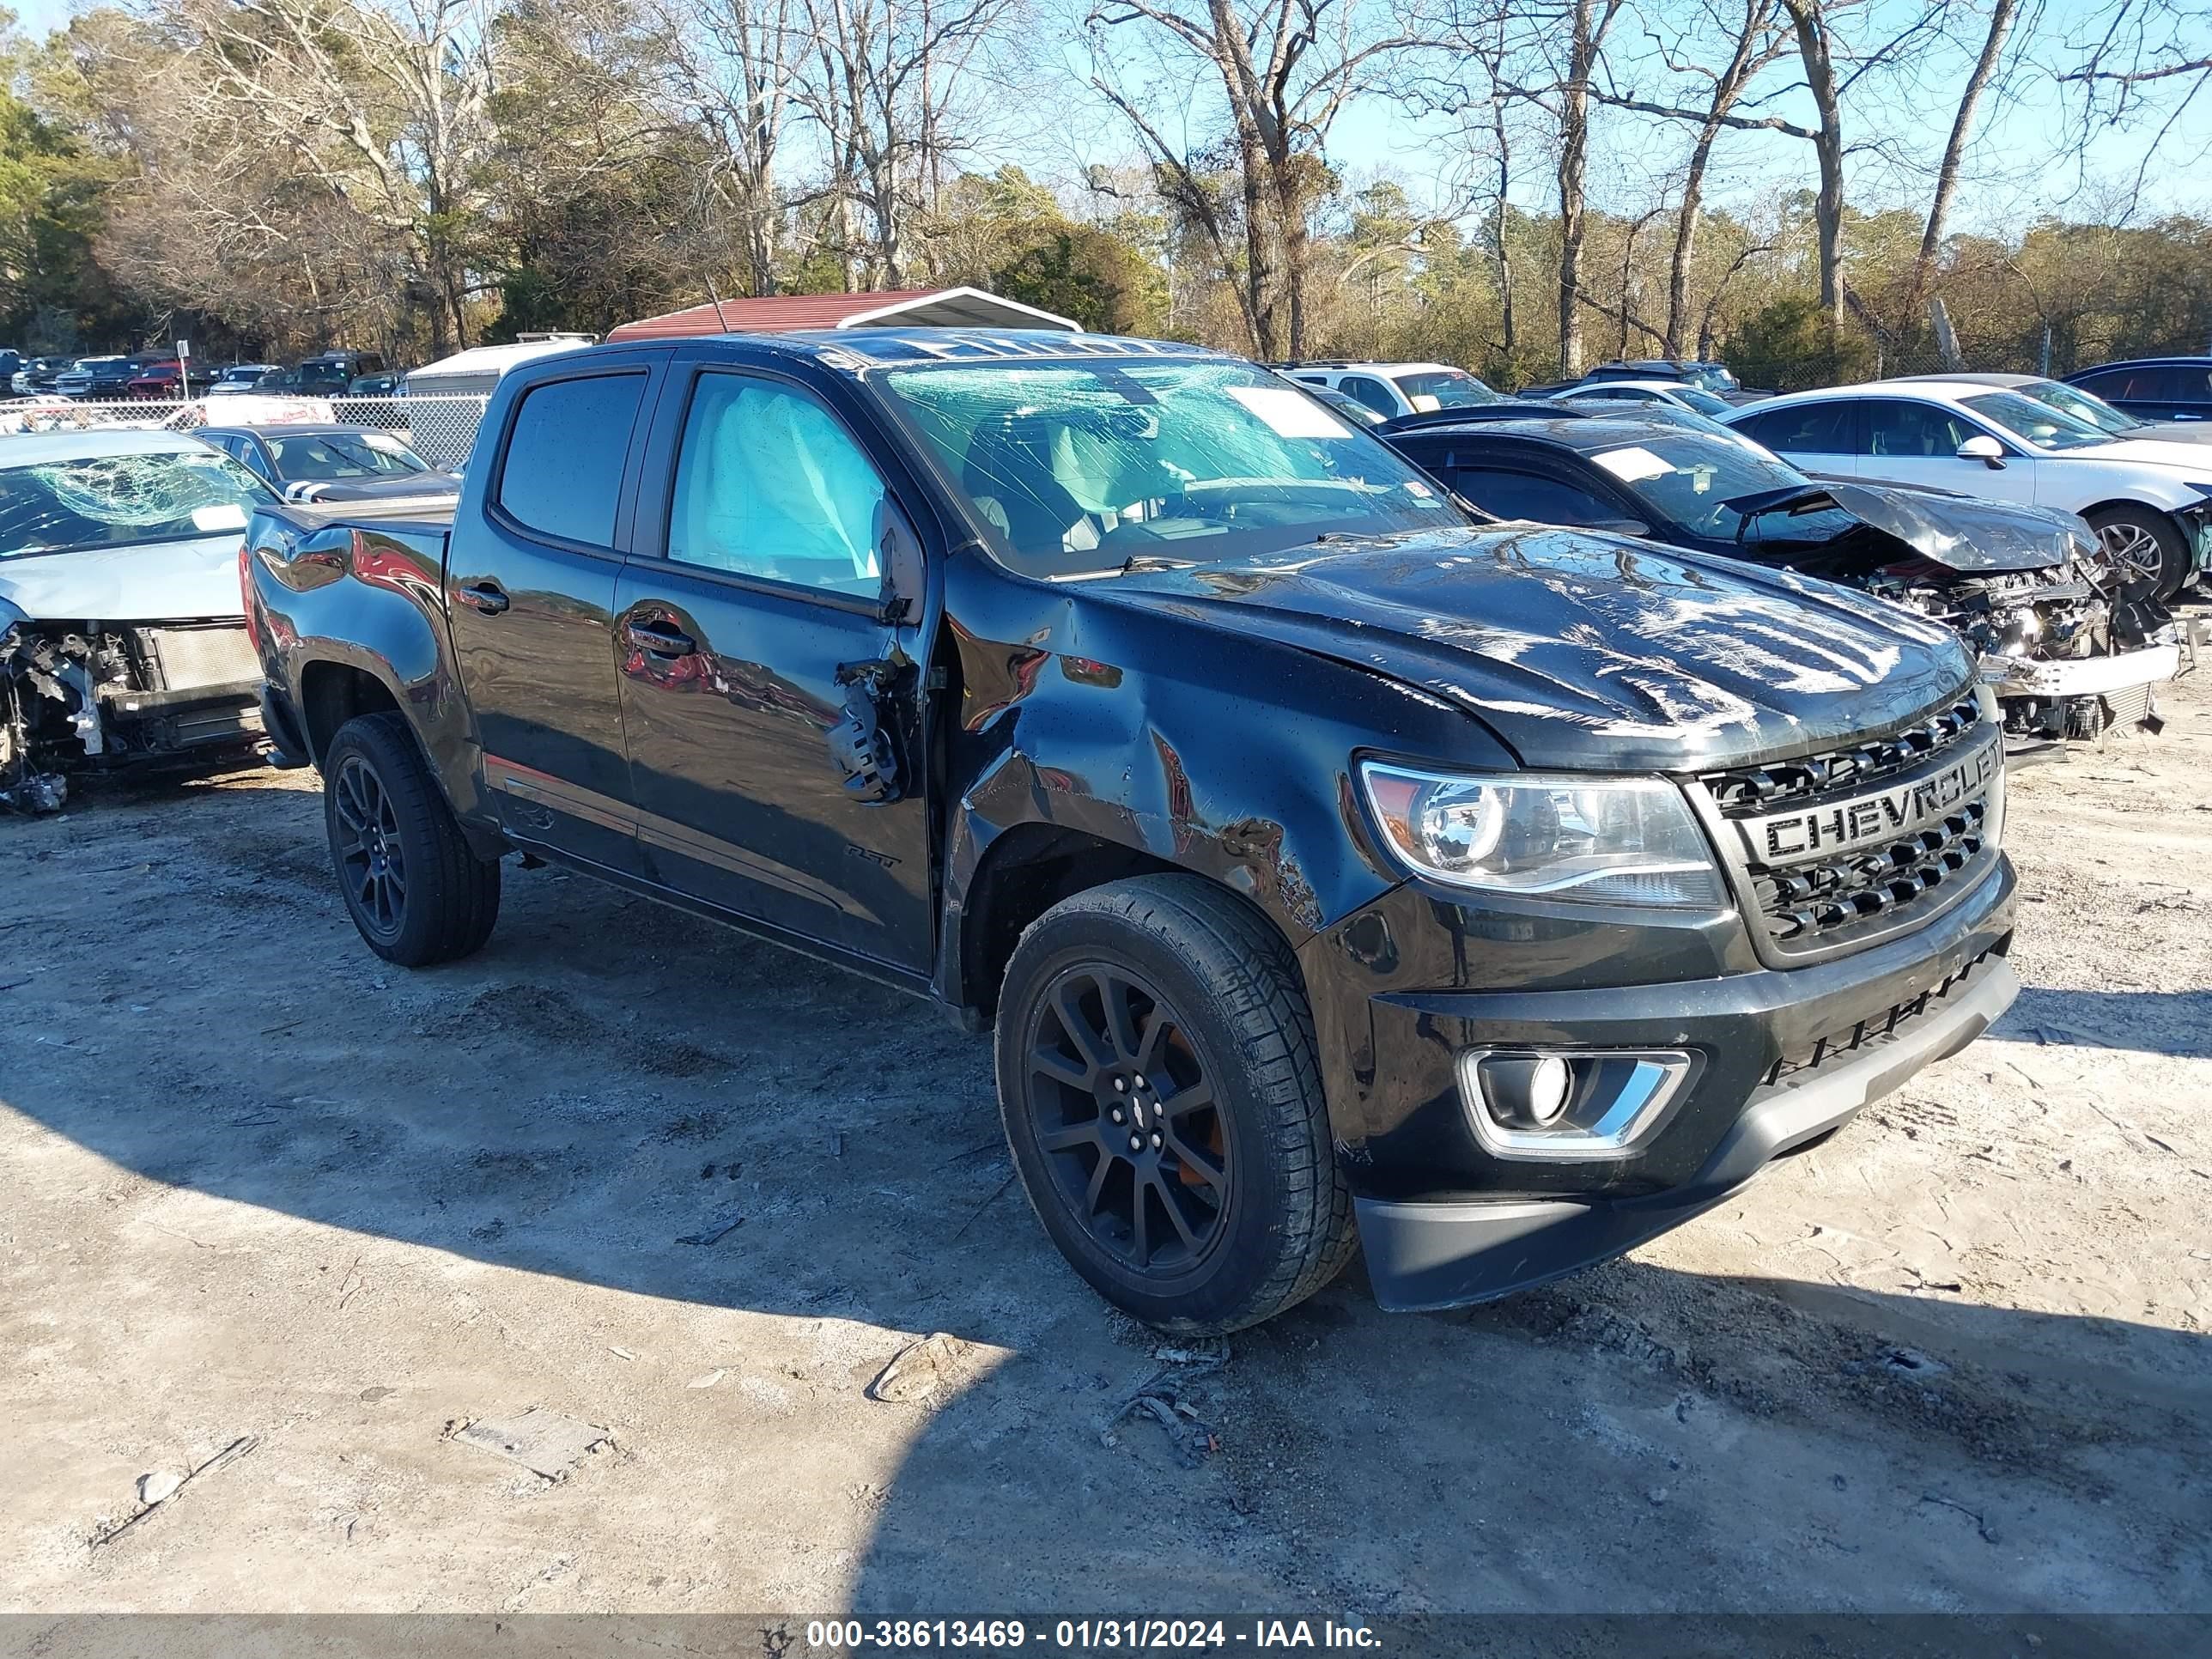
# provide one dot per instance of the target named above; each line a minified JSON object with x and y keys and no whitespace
{"x":261,"y":1194}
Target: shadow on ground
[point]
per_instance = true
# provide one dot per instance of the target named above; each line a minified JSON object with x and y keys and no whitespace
{"x":624,"y":1098}
{"x":2175,"y":1023}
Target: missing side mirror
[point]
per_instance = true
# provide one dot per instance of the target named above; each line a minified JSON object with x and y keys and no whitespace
{"x":899,"y":558}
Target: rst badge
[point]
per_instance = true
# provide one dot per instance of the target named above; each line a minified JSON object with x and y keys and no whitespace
{"x":1880,"y":815}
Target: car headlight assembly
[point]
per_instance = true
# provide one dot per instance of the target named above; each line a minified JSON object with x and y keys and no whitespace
{"x":1612,"y":841}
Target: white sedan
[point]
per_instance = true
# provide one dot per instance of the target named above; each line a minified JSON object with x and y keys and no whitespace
{"x":2150,"y":502}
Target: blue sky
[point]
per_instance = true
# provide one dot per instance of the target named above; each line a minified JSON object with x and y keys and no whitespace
{"x":2014,"y":173}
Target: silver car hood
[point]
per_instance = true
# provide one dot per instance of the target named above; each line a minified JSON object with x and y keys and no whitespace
{"x":158,"y":581}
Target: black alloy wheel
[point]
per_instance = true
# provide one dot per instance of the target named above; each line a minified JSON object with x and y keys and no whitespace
{"x":414,"y":887}
{"x":372,"y":863}
{"x":1163,"y":1100}
{"x":1124,"y":1111}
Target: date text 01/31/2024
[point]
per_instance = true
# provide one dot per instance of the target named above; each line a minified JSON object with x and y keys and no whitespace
{"x":1082,"y":1635}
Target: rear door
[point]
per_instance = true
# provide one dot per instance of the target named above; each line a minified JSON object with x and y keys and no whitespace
{"x":751,"y":634}
{"x":530,"y":586}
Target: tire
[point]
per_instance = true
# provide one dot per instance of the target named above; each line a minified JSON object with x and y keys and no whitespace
{"x":416,"y":892}
{"x":2124,"y":530}
{"x":1221,"y":1090}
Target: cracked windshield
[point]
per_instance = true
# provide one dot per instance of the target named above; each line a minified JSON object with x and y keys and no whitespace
{"x":1082,"y":471}
{"x":116,"y":501}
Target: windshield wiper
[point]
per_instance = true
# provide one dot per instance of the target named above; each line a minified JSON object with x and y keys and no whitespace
{"x":1153,"y":562}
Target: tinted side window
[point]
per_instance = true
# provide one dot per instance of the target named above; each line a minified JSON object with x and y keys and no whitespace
{"x":768,"y":484}
{"x":1807,"y":429}
{"x":1372,"y":392}
{"x":1525,"y":495}
{"x":2173,"y":385}
{"x":2109,"y":384}
{"x":565,"y":454}
{"x":1895,"y":427}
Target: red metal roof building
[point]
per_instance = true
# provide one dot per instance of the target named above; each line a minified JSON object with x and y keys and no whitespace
{"x":786,"y":313}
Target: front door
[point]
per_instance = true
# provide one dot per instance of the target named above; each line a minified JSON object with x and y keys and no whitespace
{"x":1902,"y":441}
{"x":529,"y":585}
{"x":749,"y":648}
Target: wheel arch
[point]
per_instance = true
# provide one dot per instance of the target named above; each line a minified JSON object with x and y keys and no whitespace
{"x":331,"y":693}
{"x":1019,"y":875}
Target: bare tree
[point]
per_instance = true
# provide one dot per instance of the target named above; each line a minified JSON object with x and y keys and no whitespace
{"x":1286,"y":69}
{"x":378,"y":106}
{"x":2141,"y":63}
{"x":1590,"y":22}
{"x":731,"y":65}
{"x":1755,"y":41}
{"x":1830,"y":67}
{"x":2002,"y":15}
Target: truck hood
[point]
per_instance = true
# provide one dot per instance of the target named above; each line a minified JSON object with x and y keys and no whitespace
{"x":1585,"y":651}
{"x":160,"y":581}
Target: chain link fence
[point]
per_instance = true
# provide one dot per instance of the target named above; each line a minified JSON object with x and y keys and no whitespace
{"x":441,"y":430}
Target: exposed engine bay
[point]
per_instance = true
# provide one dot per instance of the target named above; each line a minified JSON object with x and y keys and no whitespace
{"x":2024,"y":623}
{"x":88,"y":697}
{"x":2033,"y":591}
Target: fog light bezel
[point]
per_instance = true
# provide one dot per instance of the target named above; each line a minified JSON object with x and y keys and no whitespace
{"x":1618,"y":1101}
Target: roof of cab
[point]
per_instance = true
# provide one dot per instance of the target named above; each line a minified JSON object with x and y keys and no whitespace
{"x":860,"y":349}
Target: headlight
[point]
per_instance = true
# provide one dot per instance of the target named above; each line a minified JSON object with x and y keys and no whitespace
{"x":1620,"y":840}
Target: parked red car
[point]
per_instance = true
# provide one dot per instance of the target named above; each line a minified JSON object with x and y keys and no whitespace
{"x":166,"y":379}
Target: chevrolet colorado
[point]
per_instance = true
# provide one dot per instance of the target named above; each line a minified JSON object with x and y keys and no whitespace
{"x":1332,"y":865}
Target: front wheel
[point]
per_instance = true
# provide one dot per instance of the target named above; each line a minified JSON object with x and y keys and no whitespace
{"x":1158,"y":1084}
{"x":415,"y":890}
{"x":2145,"y":548}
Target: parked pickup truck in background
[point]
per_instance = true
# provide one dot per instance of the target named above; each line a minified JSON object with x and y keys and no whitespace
{"x":1328,"y":864}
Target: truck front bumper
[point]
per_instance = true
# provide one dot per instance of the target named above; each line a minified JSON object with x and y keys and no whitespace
{"x":1762,"y":1061}
{"x":1447,"y":1253}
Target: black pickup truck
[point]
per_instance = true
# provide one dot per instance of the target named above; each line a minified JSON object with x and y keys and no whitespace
{"x":1333,"y":865}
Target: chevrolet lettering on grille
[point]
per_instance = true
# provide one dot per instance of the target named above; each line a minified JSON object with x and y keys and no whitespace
{"x":1881,"y":815}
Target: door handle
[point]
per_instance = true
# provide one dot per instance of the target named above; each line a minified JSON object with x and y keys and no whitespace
{"x":661,"y":642}
{"x":487,"y":596}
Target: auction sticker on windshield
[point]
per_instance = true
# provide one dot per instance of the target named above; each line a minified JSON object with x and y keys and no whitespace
{"x":1289,"y":414}
{"x":1632,"y":463}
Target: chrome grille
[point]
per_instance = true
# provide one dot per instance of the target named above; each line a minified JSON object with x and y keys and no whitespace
{"x":193,"y":657}
{"x":1836,"y":845}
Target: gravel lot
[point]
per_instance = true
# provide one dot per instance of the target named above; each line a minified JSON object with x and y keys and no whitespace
{"x":648,"y":1177}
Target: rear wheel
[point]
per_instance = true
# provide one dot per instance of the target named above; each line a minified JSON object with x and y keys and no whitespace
{"x":1158,"y":1081}
{"x":415,"y":890}
{"x":2146,"y":548}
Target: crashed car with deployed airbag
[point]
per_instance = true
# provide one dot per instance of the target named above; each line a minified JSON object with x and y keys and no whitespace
{"x":122,"y":642}
{"x":2031,"y":589}
{"x":1333,"y":867}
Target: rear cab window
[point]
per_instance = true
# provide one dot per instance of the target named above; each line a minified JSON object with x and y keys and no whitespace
{"x":562,"y":474}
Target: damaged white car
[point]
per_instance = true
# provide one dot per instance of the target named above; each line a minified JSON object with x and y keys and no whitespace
{"x":121,"y":639}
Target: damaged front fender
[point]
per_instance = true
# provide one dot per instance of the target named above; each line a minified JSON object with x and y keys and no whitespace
{"x":1079,"y":728}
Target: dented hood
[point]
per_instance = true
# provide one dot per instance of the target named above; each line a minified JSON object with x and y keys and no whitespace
{"x":1587,"y":651}
{"x":158,"y":581}
{"x":1957,"y":532}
